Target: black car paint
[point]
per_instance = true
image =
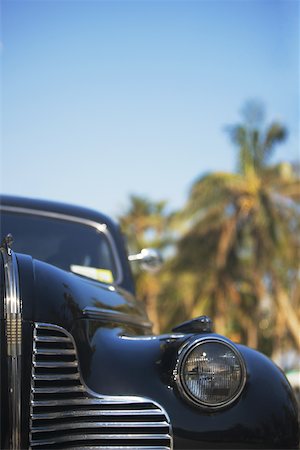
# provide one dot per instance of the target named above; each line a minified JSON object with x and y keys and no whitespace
{"x":119,"y":357}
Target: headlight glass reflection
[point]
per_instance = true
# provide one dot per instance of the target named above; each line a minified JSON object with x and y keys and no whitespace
{"x":212,"y":373}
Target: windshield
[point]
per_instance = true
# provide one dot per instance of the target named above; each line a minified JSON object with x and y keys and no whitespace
{"x":68,"y":245}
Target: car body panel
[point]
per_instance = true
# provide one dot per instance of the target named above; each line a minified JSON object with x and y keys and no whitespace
{"x":119,"y":357}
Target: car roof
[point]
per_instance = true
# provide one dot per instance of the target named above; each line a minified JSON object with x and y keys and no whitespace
{"x":56,"y":207}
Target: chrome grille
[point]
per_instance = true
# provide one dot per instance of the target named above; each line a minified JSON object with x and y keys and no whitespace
{"x":66,"y":414}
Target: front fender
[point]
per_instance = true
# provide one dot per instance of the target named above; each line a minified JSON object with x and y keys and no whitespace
{"x":264,"y":416}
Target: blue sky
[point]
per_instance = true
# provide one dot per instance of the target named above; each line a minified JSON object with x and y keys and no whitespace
{"x":101,"y":99}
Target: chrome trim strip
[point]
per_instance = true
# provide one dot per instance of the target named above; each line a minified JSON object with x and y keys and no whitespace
{"x":93,"y":312}
{"x":74,"y":426}
{"x":119,"y":447}
{"x":93,"y":412}
{"x":58,"y":390}
{"x":69,"y":402}
{"x":47,"y":429}
{"x":104,"y":437}
{"x":183,"y":353}
{"x":50,"y":351}
{"x":56,"y":377}
{"x":93,"y":401}
{"x":100,"y":227}
{"x":13,"y":332}
{"x":51,"y":339}
{"x":55,"y":364}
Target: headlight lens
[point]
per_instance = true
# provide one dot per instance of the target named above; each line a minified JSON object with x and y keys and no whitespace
{"x":210,"y":372}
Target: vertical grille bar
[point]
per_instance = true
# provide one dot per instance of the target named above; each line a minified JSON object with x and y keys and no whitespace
{"x":13,"y":341}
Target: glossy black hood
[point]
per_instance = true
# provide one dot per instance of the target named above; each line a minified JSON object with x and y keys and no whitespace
{"x":52,"y":295}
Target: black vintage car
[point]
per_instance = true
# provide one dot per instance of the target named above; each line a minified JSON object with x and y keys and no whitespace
{"x":80,"y":367}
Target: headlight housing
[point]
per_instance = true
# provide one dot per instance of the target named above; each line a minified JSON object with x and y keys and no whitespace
{"x":210,"y":372}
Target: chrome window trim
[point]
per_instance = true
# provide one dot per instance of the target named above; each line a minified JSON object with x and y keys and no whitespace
{"x":184,"y":351}
{"x":13,"y":336}
{"x":100,"y":227}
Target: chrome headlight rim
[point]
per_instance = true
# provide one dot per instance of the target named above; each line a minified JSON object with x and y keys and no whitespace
{"x":183,"y":354}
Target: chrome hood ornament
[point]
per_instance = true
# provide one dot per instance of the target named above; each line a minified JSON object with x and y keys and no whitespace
{"x":6,"y":244}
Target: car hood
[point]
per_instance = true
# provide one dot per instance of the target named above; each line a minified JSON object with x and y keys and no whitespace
{"x":53,"y":295}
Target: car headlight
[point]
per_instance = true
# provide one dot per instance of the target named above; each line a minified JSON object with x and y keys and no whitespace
{"x":210,"y":372}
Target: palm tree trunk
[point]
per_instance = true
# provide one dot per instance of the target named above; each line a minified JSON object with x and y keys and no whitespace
{"x":220,"y":317}
{"x":280,"y":330}
{"x":252,"y":334}
{"x":151,"y":305}
{"x":250,"y":326}
{"x":286,"y":309}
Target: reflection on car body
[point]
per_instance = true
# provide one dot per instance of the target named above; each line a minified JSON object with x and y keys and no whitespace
{"x":80,"y":367}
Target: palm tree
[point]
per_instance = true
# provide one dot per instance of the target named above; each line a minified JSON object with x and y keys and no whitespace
{"x":145,"y":225}
{"x":242,"y":233}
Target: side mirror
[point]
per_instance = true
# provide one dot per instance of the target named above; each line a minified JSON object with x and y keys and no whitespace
{"x":149,"y":259}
